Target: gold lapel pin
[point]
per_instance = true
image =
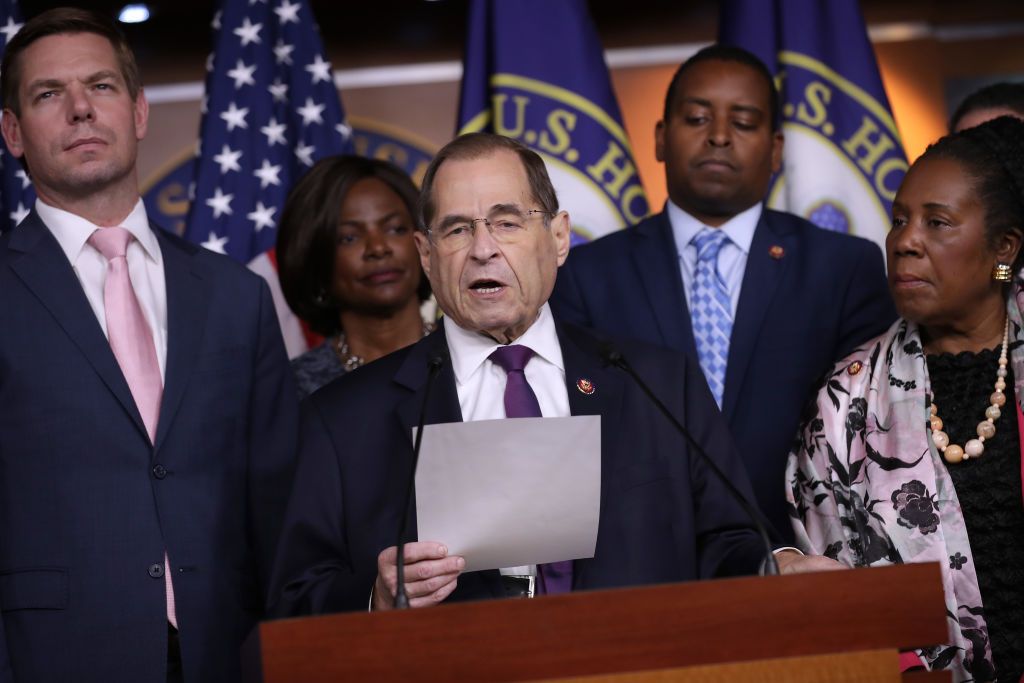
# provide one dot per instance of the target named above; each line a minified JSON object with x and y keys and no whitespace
{"x":776,"y":252}
{"x":585,"y":386}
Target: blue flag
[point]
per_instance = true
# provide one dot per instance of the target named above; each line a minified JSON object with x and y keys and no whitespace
{"x":534,"y":70}
{"x":16,"y":195}
{"x":843,"y":159}
{"x":270,"y":111}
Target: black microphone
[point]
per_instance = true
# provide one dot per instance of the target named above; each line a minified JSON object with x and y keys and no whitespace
{"x":612,"y":356}
{"x":434,"y":365}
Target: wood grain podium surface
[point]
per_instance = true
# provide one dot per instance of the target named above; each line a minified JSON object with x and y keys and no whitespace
{"x":620,"y":631}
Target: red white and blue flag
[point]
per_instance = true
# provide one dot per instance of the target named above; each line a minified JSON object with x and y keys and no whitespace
{"x":270,"y":111}
{"x":16,"y":194}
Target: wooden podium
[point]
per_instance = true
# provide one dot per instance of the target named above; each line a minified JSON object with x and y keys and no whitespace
{"x":832,"y":626}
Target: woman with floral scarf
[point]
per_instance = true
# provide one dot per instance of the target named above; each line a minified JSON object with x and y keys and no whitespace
{"x":912,"y":450}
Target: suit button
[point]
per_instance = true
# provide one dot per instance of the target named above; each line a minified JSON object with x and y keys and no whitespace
{"x":156,"y":570}
{"x":159,"y":471}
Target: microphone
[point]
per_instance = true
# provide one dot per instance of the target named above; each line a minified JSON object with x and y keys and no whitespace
{"x":612,"y":356}
{"x":434,"y":365}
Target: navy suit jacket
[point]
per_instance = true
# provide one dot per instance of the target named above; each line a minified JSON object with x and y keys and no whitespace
{"x":663,"y":517}
{"x":797,"y":314}
{"x":88,"y":505}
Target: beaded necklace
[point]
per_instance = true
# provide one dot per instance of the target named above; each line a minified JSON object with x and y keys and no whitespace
{"x":986,"y":428}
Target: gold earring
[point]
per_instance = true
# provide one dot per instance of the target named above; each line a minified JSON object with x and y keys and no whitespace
{"x":1002,"y":273}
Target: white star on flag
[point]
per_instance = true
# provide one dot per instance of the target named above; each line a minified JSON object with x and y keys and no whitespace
{"x":209,"y":62}
{"x":216,"y":20}
{"x":220,"y":203}
{"x":310,"y":113}
{"x":18,"y":215}
{"x":283,"y":53}
{"x":10,"y":29}
{"x":304,"y":153}
{"x":287,"y":12}
{"x":228,"y":159}
{"x":262,"y":216}
{"x":215,"y":243}
{"x":279,"y":90}
{"x":248,"y":32}
{"x":320,"y":70}
{"x":267,"y":173}
{"x":21,"y":175}
{"x":344,"y":130}
{"x":274,"y":132}
{"x":235,"y":117}
{"x":243,"y":74}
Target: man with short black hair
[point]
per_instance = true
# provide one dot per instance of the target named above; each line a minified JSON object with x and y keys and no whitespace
{"x":764,"y":301}
{"x":148,"y":419}
{"x":990,"y":102}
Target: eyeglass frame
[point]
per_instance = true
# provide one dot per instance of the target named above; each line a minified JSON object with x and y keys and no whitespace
{"x":528,"y":214}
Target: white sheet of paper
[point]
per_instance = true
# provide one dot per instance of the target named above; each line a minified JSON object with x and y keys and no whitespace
{"x":506,"y":493}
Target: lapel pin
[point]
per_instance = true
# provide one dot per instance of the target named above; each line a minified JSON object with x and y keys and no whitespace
{"x":776,"y":252}
{"x":855,"y":367}
{"x":585,"y":386}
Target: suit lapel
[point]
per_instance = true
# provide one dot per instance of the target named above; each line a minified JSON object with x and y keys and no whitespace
{"x":760,"y":282}
{"x":656,"y":260}
{"x":442,"y":407}
{"x":45,"y":270}
{"x":583,"y":365}
{"x":187,"y":304}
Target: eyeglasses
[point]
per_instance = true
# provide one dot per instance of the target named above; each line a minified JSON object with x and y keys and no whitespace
{"x":506,"y":227}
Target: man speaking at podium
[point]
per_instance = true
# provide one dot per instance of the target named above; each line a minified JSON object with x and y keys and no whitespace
{"x":491,"y":241}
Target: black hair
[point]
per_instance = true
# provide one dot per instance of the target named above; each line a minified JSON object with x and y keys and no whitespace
{"x":996,"y":96}
{"x":307,"y":234}
{"x":992,"y":154}
{"x":727,"y":53}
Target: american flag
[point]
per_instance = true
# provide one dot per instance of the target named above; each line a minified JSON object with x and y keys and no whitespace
{"x":270,"y":111}
{"x":16,"y":194}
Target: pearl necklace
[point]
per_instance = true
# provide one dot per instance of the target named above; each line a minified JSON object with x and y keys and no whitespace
{"x":986,"y":428}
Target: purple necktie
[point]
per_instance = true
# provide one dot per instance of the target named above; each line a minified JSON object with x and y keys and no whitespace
{"x":520,"y":401}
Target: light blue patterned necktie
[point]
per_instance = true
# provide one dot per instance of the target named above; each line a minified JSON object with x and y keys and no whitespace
{"x":711,"y":311}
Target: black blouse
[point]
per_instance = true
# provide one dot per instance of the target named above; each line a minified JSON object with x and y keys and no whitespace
{"x":989,"y":490}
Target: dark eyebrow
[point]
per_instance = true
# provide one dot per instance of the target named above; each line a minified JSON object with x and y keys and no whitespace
{"x":506,"y":209}
{"x":452,"y":219}
{"x":106,"y":74}
{"x":939,"y":205}
{"x":50,"y":83}
{"x":744,"y":108}
{"x":393,"y":214}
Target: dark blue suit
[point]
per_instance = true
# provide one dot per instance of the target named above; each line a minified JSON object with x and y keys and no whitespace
{"x":88,"y":505}
{"x":797,"y":315}
{"x":662,"y":517}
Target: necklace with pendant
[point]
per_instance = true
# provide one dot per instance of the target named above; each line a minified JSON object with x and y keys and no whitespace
{"x":349,"y":360}
{"x":986,"y":428}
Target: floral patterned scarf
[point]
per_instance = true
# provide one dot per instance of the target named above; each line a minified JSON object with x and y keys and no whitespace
{"x":869,"y":489}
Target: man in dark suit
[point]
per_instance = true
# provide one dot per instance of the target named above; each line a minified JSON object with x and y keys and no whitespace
{"x":492,"y":242}
{"x":147,"y":424}
{"x":764,"y":301}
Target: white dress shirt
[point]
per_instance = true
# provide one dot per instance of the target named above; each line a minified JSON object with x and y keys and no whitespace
{"x":732,"y":258}
{"x":145,"y":266}
{"x":480,"y":383}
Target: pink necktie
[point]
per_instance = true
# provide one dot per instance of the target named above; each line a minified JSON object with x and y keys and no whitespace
{"x":132,"y":343}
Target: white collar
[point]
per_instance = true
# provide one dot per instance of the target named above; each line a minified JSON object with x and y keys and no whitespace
{"x":470,"y":349}
{"x":73,"y":231}
{"x":739,"y":229}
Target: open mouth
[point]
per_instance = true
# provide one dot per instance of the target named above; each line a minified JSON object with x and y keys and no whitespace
{"x":486,"y":286}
